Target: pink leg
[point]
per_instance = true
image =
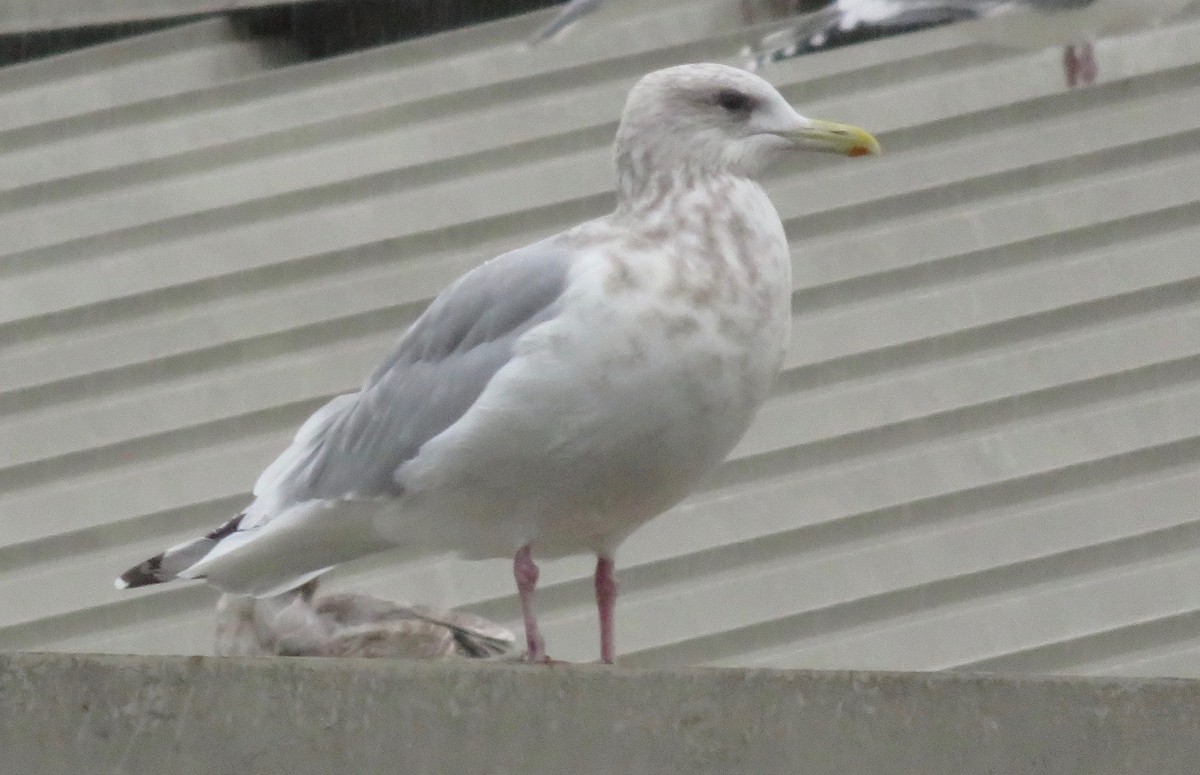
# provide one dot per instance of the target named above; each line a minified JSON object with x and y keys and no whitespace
{"x":606,"y":600}
{"x":526,"y":574}
{"x":1088,"y":61}
{"x":1071,"y":66}
{"x":1079,"y":61}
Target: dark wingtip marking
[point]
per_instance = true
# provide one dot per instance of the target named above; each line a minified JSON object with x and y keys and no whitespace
{"x":151,"y":571}
{"x":143,"y":574}
{"x":224,"y":530}
{"x":308,"y":590}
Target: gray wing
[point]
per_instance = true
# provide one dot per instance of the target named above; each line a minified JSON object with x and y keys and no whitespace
{"x":353,"y":445}
{"x":841,"y":25}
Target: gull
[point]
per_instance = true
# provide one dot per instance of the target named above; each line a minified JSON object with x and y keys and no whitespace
{"x":845,"y":22}
{"x":573,"y":11}
{"x":1074,"y":24}
{"x":349,"y":624}
{"x":557,"y":397}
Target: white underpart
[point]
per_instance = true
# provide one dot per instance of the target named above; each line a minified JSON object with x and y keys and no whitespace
{"x":1025,"y":23}
{"x":663,"y":342}
{"x":856,"y":12}
{"x":1018,"y":24}
{"x":607,"y":416}
{"x":647,"y":389}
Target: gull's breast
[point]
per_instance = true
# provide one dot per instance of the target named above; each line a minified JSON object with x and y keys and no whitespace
{"x":649,"y":375}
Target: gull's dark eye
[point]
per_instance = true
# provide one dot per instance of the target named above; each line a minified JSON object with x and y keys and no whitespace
{"x":734,"y":101}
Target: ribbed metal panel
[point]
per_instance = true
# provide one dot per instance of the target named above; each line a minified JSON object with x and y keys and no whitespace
{"x":982,"y":451}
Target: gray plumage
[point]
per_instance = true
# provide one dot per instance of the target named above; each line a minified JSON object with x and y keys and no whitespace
{"x":1073,"y":24}
{"x":352,"y":447}
{"x":561,"y":395}
{"x":432,"y":376}
{"x":837,"y":26}
{"x":845,"y":22}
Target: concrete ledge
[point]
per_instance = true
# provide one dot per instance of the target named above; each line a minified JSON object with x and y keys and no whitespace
{"x":115,"y":714}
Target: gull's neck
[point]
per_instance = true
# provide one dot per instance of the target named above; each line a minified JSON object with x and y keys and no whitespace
{"x":646,"y":177}
{"x":644,"y":195}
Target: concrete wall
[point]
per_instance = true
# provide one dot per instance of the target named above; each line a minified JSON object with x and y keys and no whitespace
{"x":187,"y":715}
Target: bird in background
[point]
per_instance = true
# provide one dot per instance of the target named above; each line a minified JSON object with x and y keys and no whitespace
{"x":347,"y":624}
{"x":1073,"y":24}
{"x":572,"y":11}
{"x":567,"y":17}
{"x":557,"y":397}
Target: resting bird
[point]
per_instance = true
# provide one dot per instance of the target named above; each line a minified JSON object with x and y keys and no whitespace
{"x":300,"y":623}
{"x":1021,"y":23}
{"x":557,"y":397}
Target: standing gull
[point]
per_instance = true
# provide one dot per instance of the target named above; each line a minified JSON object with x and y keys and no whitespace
{"x":845,"y":22}
{"x":571,"y":12}
{"x":557,"y":397}
{"x":1073,"y":24}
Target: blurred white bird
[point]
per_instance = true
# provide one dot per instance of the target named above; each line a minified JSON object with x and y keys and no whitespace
{"x":751,"y":11}
{"x":1074,"y":24}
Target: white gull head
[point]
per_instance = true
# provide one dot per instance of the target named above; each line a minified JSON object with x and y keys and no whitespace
{"x":710,"y":119}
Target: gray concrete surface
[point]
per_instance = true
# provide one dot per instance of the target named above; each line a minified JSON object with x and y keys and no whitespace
{"x":115,"y":714}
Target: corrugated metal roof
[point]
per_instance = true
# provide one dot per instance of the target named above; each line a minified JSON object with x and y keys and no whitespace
{"x":982,"y":451}
{"x":34,"y":15}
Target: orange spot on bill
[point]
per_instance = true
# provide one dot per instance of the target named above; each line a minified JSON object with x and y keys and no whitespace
{"x":859,"y":150}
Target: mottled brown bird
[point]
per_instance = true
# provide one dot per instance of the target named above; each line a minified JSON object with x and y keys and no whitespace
{"x":346,"y":624}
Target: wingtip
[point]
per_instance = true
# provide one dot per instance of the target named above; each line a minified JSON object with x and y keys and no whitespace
{"x":143,"y":574}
